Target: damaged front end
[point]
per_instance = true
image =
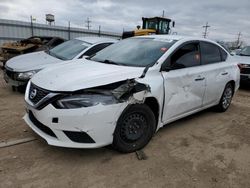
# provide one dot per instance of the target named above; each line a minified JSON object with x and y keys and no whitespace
{"x":119,"y":92}
{"x":122,"y":90}
{"x":129,"y":91}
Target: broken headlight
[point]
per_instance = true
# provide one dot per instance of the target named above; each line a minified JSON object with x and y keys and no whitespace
{"x":84,"y":100}
{"x":26,"y":75}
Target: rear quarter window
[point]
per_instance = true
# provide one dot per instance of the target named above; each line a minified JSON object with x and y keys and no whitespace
{"x":223,"y":55}
{"x":210,"y":53}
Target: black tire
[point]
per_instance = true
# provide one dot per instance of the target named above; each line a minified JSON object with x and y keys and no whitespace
{"x":134,"y":129}
{"x":226,"y":98}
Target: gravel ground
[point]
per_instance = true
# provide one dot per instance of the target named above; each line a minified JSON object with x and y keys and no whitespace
{"x":207,"y":149}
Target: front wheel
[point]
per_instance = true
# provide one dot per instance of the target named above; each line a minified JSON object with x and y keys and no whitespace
{"x":134,"y":129}
{"x":226,"y":98}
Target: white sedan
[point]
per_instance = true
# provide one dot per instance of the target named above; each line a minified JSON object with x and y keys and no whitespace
{"x":20,"y":69}
{"x":243,"y":57}
{"x":126,"y":92}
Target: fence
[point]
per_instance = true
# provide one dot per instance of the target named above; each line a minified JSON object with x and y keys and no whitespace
{"x":11,"y":30}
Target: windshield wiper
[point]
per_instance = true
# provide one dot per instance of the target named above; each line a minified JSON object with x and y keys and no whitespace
{"x":107,"y":61}
{"x":244,"y":55}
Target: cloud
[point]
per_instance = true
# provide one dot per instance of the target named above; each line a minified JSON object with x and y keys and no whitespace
{"x":226,"y":17}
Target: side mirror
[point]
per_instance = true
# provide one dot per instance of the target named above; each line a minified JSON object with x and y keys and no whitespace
{"x":166,"y":69}
{"x":178,"y":65}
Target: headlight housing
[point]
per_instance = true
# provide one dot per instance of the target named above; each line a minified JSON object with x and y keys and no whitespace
{"x":84,"y":100}
{"x":26,"y":75}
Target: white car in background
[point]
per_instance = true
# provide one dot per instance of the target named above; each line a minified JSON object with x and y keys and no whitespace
{"x":243,"y":57}
{"x":20,"y":69}
{"x":126,"y":92}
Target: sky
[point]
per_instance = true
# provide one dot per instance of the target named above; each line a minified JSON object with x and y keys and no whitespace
{"x":226,"y":17}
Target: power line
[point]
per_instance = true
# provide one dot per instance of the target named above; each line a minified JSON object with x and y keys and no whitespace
{"x":206,"y":30}
{"x":88,"y":23}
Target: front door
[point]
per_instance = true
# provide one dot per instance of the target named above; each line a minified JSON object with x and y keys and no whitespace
{"x":184,"y":83}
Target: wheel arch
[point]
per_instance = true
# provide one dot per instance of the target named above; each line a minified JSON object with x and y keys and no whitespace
{"x":153,"y":104}
{"x":232,"y":82}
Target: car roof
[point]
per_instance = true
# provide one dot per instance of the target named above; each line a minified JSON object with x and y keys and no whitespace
{"x":181,"y":38}
{"x":176,"y":37}
{"x":94,"y":40}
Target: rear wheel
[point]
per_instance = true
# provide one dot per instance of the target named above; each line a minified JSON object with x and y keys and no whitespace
{"x":134,"y":129}
{"x":226,"y":98}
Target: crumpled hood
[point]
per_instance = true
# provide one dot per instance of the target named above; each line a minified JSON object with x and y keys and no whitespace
{"x":81,"y":74}
{"x":31,"y":61}
{"x":242,"y":59}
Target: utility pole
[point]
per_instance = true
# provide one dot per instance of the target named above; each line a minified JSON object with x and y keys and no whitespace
{"x":238,"y":40}
{"x":99,"y":33}
{"x":31,"y":25}
{"x":69,"y":30}
{"x":163,"y":13}
{"x":206,"y":28}
{"x":88,"y":23}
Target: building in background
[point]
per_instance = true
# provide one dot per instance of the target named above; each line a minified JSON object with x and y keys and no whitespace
{"x":11,"y":30}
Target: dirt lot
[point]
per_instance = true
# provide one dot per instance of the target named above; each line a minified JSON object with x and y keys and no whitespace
{"x":205,"y":150}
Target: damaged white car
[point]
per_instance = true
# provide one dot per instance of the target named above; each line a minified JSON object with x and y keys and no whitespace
{"x":126,"y":92}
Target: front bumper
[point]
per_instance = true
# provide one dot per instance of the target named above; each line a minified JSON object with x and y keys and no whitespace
{"x":97,"y":122}
{"x":13,"y":82}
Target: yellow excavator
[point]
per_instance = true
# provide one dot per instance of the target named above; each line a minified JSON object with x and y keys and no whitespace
{"x":155,"y":25}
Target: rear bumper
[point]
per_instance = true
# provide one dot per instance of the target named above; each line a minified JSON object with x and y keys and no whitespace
{"x":245,"y":77}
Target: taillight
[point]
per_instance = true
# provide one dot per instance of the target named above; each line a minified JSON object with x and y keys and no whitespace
{"x":242,"y":66}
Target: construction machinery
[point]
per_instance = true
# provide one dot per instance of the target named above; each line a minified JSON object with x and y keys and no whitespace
{"x":155,"y":25}
{"x":32,"y":44}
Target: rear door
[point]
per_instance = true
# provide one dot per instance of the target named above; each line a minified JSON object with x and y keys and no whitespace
{"x":184,"y":82}
{"x":216,"y":71}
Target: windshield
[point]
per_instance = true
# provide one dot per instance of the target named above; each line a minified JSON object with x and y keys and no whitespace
{"x":69,"y":49}
{"x":139,"y":52}
{"x":245,"y":51}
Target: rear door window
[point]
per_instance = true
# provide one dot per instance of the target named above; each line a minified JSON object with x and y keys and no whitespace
{"x":210,"y":53}
{"x":223,"y":55}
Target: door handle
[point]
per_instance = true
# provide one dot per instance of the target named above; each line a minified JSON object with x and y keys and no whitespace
{"x":224,"y":73}
{"x":200,"y":79}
